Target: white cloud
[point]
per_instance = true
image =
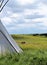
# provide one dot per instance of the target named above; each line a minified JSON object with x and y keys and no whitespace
{"x":40,"y":20}
{"x":42,"y":9}
{"x":15,"y":15}
{"x":22,"y":26}
{"x":24,"y":2}
{"x":26,"y":25}
{"x":6,"y":20}
{"x":29,"y":11}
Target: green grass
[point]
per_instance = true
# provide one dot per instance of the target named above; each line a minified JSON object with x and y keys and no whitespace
{"x":34,"y":51}
{"x":31,"y":42}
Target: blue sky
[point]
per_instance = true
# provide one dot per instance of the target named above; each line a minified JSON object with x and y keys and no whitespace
{"x":25,"y":16}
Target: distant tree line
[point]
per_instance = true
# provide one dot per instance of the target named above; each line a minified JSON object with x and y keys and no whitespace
{"x":45,"y":34}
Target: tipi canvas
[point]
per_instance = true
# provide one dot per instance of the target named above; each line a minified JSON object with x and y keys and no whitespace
{"x":6,"y":41}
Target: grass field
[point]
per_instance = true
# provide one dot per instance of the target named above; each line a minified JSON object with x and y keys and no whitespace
{"x":31,"y":42}
{"x":34,"y":51}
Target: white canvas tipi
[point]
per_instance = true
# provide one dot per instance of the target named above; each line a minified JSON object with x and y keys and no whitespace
{"x":6,"y":41}
{"x":7,"y":44}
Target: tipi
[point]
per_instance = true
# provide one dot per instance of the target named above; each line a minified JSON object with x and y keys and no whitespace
{"x":7,"y":44}
{"x":6,"y":41}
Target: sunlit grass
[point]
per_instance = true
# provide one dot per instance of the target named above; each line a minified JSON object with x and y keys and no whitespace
{"x":34,"y":51}
{"x":31,"y":42}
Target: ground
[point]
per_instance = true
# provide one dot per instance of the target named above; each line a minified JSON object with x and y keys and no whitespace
{"x":34,"y":51}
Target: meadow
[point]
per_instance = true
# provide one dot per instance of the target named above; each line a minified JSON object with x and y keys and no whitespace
{"x":34,"y":51}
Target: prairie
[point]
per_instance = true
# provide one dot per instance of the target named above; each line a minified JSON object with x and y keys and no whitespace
{"x":34,"y":51}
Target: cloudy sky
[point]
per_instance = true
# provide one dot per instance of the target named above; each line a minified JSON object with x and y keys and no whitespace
{"x":25,"y":16}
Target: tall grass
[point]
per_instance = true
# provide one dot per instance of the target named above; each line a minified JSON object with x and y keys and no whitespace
{"x":34,"y":51}
{"x":29,"y":57}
